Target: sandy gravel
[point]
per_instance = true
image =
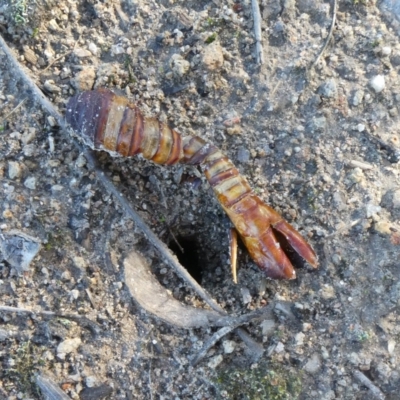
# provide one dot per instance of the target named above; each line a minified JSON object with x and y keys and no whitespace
{"x":320,"y":145}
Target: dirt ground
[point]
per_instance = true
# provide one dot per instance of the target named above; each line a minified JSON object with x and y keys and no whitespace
{"x":320,"y":143}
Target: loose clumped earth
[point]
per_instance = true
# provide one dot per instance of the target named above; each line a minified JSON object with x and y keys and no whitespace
{"x":321,"y":145}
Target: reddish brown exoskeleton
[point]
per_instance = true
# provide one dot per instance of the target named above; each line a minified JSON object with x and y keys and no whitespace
{"x":109,"y":122}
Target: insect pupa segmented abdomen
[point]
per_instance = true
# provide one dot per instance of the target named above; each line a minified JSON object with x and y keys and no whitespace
{"x":107,"y":121}
{"x":228,"y":185}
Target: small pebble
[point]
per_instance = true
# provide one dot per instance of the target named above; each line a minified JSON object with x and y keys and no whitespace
{"x":215,"y":361}
{"x":377,"y":83}
{"x":213,"y":56}
{"x":68,"y":346}
{"x":280,"y":347}
{"x":391,"y":346}
{"x":313,"y":364}
{"x":361,"y":127}
{"x":229,"y":346}
{"x":92,"y":48}
{"x":14,"y":170}
{"x":357,"y":98}
{"x":82,"y":53}
{"x":299,"y":338}
{"x":386,"y":51}
{"x":243,"y":155}
{"x":328,"y":88}
{"x":90,"y":381}
{"x":372,"y":209}
{"x":268,"y":326}
{"x":179,"y":66}
{"x":74,"y":294}
{"x":246,"y":296}
{"x":30,"y":183}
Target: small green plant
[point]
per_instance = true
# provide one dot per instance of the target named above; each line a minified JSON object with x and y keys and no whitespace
{"x":363,"y":337}
{"x":19,"y":11}
{"x":266,"y":381}
{"x":211,"y":38}
{"x":35,"y":32}
{"x":23,"y":365}
{"x":375,"y":43}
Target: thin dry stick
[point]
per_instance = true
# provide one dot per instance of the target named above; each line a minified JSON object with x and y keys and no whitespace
{"x":59,"y":57}
{"x":210,"y":343}
{"x":257,"y":31}
{"x":82,"y":320}
{"x":229,"y":324}
{"x":375,"y":391}
{"x":15,"y":109}
{"x":328,"y":38}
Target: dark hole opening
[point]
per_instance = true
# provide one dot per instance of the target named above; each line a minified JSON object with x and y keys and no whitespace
{"x":189,"y":258}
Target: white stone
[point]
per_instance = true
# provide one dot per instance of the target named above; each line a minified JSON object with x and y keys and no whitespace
{"x":215,"y":361}
{"x":229,"y":346}
{"x":90,"y":381}
{"x":313,"y":364}
{"x":92,"y":48}
{"x":30,"y":183}
{"x":391,"y":346}
{"x":267,"y":326}
{"x":386,"y":51}
{"x":246,"y":296}
{"x":377,"y":83}
{"x":299,"y":338}
{"x":74,"y":294}
{"x":179,"y":66}
{"x":372,"y":209}
{"x":68,"y":346}
{"x":361,"y":127}
{"x":280,"y":347}
{"x":14,"y":170}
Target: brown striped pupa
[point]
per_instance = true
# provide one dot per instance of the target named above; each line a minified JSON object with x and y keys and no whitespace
{"x":109,"y":122}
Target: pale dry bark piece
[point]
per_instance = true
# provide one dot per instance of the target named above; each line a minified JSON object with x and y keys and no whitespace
{"x":155,"y":299}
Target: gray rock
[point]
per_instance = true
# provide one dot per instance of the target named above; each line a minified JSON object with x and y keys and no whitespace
{"x":84,"y":80}
{"x":18,"y":249}
{"x":243,"y":155}
{"x":14,"y":170}
{"x":213,"y":56}
{"x":357,"y":98}
{"x":30,"y":183}
{"x":328,"y":89}
{"x":313,"y":364}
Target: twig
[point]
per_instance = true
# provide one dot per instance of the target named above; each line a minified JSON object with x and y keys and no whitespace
{"x":15,"y":109}
{"x":229,"y":324}
{"x":328,"y":38}
{"x":59,"y":58}
{"x":210,"y":343}
{"x":82,"y":320}
{"x":376,"y":392}
{"x":257,"y":31}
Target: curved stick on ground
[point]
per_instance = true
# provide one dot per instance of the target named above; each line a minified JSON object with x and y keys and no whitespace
{"x":328,"y":38}
{"x":109,"y":122}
